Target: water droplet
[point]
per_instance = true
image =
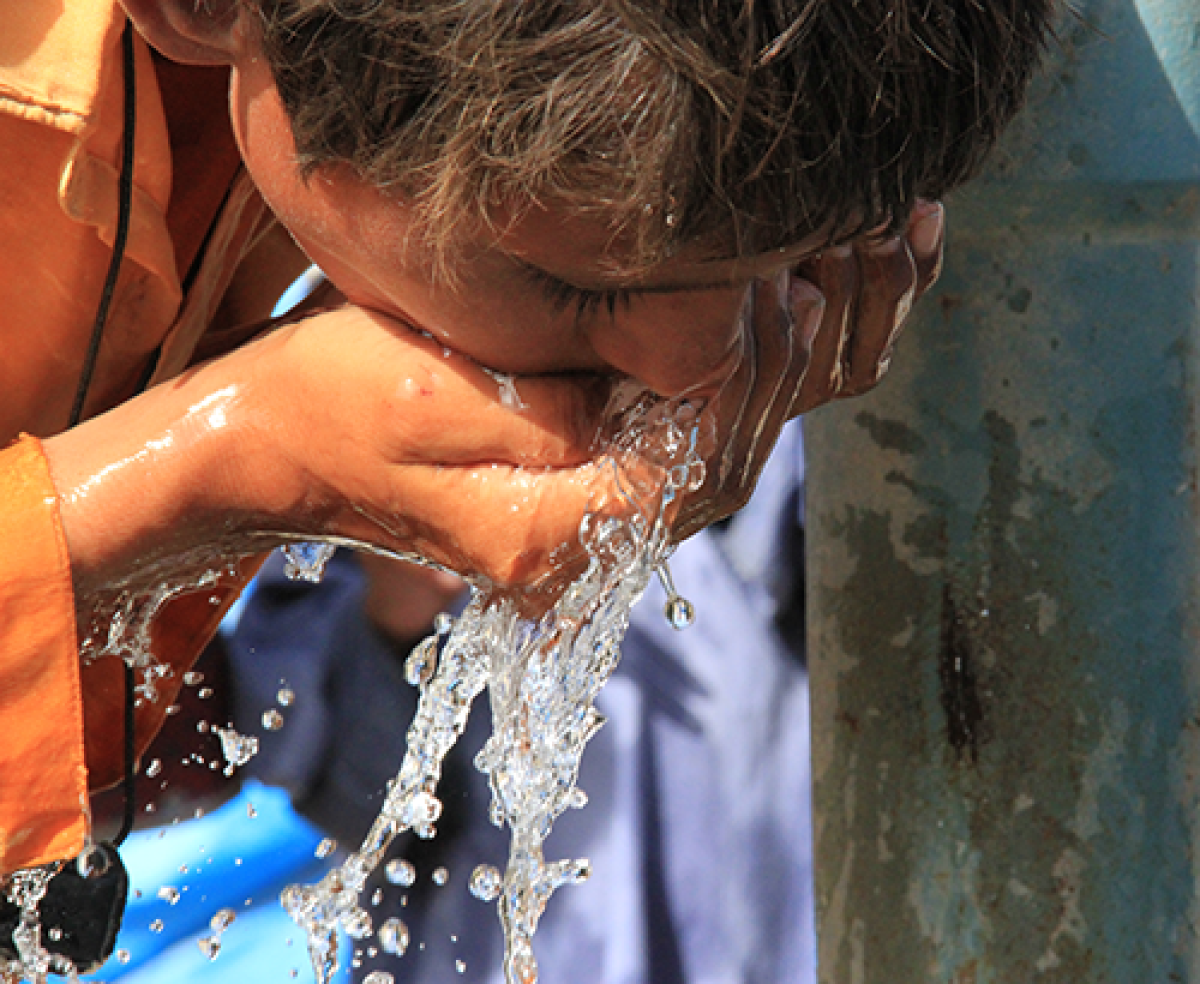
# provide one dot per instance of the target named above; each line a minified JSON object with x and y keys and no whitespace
{"x":378,"y":977}
{"x":442,"y":623}
{"x":393,"y":937}
{"x":485,"y":882}
{"x":210,"y":946}
{"x":286,"y":696}
{"x":237,"y":749}
{"x":326,"y":847}
{"x":272,"y":720}
{"x":154,"y":768}
{"x":169,"y":894}
{"x":306,"y":561}
{"x":54,"y":933}
{"x":579,"y":798}
{"x":460,"y":966}
{"x":400,"y":872}
{"x":204,"y":693}
{"x":440,"y":876}
{"x":202,"y":727}
{"x":123,"y":956}
{"x":193,"y":677}
{"x":251,"y":812}
{"x":377,"y":896}
{"x":222,"y":920}
{"x":156,"y":926}
{"x":421,"y":662}
{"x":680,"y":612}
{"x":423,"y":811}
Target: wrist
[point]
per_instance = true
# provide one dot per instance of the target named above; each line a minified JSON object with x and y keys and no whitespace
{"x":144,"y":490}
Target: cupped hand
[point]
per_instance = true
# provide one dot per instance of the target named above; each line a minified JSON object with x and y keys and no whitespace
{"x":364,"y":430}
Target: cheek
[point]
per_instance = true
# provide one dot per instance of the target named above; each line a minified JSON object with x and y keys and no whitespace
{"x":675,"y":344}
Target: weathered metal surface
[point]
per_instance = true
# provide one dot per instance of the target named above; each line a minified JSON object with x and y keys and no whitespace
{"x":1005,"y":560}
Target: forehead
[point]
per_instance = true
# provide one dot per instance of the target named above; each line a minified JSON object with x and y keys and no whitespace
{"x":588,"y":248}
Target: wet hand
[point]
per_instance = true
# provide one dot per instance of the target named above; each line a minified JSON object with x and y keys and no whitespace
{"x":366,"y":430}
{"x":781,"y":319}
{"x":869,"y":289}
{"x":347,"y":425}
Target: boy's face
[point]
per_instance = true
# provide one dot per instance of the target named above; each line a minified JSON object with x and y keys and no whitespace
{"x":541,"y":294}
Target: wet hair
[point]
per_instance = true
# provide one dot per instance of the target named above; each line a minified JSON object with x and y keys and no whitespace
{"x":744,"y":124}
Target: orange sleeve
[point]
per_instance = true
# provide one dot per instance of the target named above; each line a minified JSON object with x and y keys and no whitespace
{"x":43,"y":779}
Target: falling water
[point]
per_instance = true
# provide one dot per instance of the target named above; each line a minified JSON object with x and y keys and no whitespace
{"x":542,"y":679}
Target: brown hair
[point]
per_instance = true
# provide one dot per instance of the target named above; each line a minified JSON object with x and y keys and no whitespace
{"x":748,"y":124}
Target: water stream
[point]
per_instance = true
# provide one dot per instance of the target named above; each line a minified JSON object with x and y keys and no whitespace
{"x":542,"y":678}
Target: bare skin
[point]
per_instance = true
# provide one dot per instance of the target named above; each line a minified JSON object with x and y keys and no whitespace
{"x":285,"y":465}
{"x":376,"y":422}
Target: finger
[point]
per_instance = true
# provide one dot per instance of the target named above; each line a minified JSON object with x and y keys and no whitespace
{"x":887,"y":287}
{"x":926,"y":241}
{"x":784,"y":317}
{"x":555,"y":423}
{"x":836,"y":275}
{"x":480,"y":416}
{"x":514,"y":526}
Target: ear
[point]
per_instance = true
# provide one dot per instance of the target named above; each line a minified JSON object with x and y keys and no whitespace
{"x":194,"y":32}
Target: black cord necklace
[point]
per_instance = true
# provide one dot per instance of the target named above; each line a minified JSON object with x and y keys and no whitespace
{"x":120,"y":239}
{"x":81,"y":911}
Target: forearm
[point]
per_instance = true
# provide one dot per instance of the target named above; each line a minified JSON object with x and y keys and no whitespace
{"x":142,"y":487}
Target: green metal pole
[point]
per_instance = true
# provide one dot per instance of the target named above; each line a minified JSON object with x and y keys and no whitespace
{"x":1004,"y":560}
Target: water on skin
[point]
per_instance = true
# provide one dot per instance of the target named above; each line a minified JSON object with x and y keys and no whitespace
{"x":509,"y":397}
{"x":542,"y":679}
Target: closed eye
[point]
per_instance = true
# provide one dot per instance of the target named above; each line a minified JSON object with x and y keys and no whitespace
{"x":583,"y":301}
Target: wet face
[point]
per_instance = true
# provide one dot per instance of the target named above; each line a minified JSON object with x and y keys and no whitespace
{"x":542,"y":294}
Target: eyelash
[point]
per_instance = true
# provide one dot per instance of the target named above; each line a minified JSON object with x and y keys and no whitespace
{"x":585,"y":302}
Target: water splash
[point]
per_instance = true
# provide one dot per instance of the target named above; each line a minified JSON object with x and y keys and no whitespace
{"x":542,"y":679}
{"x":34,"y":962}
{"x":120,"y":626}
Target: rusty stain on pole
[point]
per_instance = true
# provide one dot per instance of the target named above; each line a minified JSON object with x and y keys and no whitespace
{"x":1005,"y":560}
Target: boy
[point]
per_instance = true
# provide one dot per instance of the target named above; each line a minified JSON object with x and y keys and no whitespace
{"x":704,"y":196}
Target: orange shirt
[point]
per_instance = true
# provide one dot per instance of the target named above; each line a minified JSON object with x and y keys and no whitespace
{"x":196,"y":219}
